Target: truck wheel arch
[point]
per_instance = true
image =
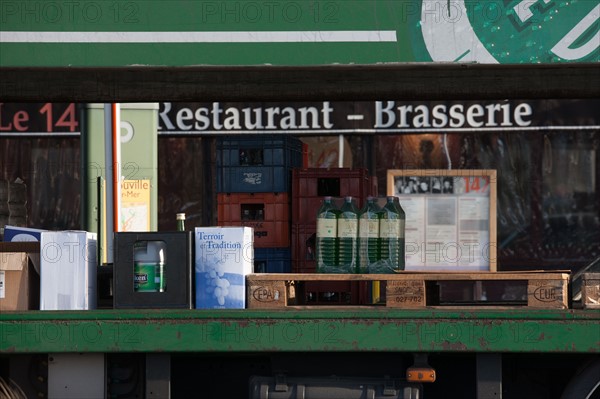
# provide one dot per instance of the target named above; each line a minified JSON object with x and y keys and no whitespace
{"x":585,"y":382}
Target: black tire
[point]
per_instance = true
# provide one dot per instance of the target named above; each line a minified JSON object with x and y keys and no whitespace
{"x":585,"y":384}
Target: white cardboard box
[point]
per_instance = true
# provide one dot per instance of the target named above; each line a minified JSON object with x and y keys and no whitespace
{"x":68,"y":270}
{"x":224,"y":257}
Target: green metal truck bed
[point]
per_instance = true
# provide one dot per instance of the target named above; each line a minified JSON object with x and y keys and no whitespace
{"x":327,"y":329}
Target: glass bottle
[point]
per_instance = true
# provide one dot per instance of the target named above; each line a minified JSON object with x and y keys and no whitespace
{"x":368,"y":232}
{"x":326,"y":247}
{"x":181,"y":222}
{"x":348,"y":237}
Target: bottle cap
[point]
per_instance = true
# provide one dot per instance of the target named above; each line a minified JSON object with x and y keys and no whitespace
{"x":181,"y":216}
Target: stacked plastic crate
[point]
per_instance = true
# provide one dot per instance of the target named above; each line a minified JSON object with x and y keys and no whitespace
{"x":309,"y":187}
{"x":254,"y":177}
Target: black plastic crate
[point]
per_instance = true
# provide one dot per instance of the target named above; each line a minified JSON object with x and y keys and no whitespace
{"x":272,"y":260}
{"x":257,"y":164}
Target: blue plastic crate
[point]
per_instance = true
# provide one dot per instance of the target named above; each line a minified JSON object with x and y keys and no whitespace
{"x":272,"y":260}
{"x":257,"y":164}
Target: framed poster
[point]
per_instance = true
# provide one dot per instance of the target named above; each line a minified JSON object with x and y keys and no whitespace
{"x":450,"y":218}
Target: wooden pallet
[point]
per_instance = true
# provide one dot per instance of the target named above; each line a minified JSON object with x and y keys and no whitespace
{"x":590,"y":291}
{"x":414,"y":290}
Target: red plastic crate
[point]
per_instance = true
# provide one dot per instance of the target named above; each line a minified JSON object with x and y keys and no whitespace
{"x":303,"y":248}
{"x":309,"y":186}
{"x":335,"y":293}
{"x":267,"y":213}
{"x":304,"y":155}
{"x":321,"y":292}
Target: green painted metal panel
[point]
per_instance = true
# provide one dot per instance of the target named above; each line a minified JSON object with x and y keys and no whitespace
{"x":296,"y":32}
{"x":515,"y":330}
{"x":139,"y":154}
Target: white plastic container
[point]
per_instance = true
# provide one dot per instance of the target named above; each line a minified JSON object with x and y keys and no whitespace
{"x":68,"y":270}
{"x":149,"y":261}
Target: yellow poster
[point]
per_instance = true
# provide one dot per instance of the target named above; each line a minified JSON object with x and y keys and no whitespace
{"x":135,"y":205}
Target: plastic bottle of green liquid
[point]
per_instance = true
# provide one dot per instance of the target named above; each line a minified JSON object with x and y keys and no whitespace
{"x":391,"y":237}
{"x":149,"y":266}
{"x":326,"y":245}
{"x":348,"y":237}
{"x":368,"y":234}
{"x":401,"y":236}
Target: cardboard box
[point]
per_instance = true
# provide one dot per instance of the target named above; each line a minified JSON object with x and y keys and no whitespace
{"x":15,"y":233}
{"x":68,"y":270}
{"x":139,"y":279}
{"x":19,"y":281}
{"x":224,"y":257}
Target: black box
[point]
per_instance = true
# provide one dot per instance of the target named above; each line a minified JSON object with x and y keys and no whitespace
{"x":134,"y":284}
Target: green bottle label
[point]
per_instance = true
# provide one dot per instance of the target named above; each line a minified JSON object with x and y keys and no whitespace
{"x":146,"y":277}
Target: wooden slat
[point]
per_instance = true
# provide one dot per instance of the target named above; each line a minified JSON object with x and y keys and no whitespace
{"x":266,"y":294}
{"x":406,"y":294}
{"x":590,"y":291}
{"x":413,"y":290}
{"x":547,"y":294}
{"x":411,"y":275}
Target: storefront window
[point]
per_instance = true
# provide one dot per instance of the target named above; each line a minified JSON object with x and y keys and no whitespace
{"x":545,"y":154}
{"x":548,"y":202}
{"x":45,"y":175}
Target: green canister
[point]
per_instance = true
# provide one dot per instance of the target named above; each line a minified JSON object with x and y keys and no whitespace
{"x":149,"y":266}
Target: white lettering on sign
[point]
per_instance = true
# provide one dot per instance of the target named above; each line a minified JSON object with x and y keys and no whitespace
{"x":253,"y":178}
{"x":258,"y":118}
{"x":476,"y":115}
{"x":361,"y":117}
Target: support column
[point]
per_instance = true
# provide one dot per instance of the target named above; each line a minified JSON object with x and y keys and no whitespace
{"x":158,"y":375}
{"x":489,"y":375}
